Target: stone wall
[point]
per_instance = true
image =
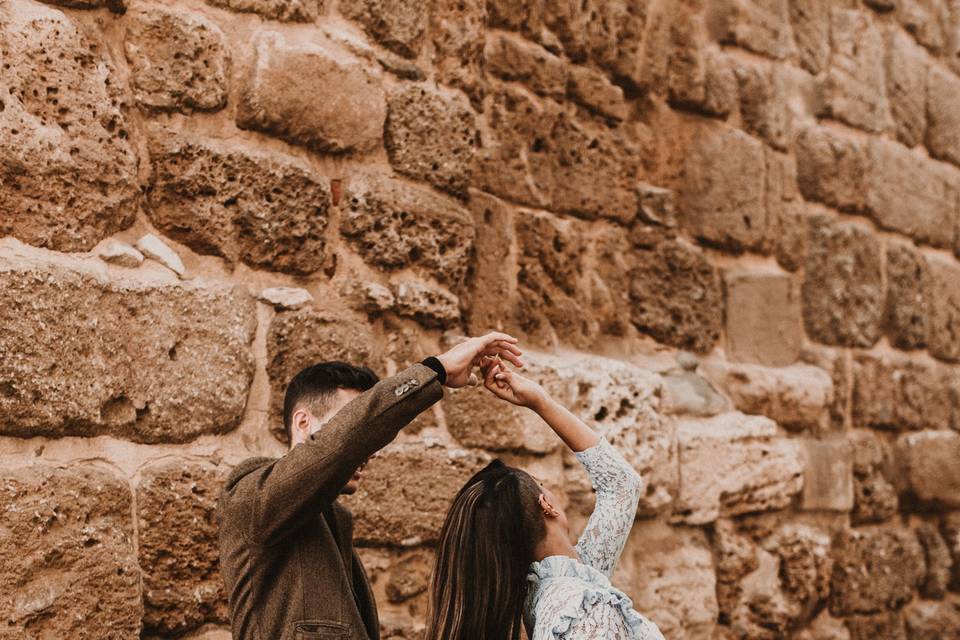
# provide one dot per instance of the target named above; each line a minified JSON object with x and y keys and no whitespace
{"x":727,"y":229}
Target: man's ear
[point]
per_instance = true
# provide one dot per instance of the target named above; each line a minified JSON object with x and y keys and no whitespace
{"x":548,"y":508}
{"x":300,"y":425}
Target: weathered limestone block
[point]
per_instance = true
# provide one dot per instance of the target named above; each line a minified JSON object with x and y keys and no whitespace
{"x":824,"y":627}
{"x":178,"y":546}
{"x":928,"y":21}
{"x":811,"y":29}
{"x":831,"y":168}
{"x":398,"y":25}
{"x":511,"y":57}
{"x":430,"y":305}
{"x":938,"y":562}
{"x":950,"y":529}
{"x":394,"y":224}
{"x":733,"y":464}
{"x":828,"y":482}
{"x":279,"y":96}
{"x":672,"y":578}
{"x":68,"y":171}
{"x":283,"y":10}
{"x":763,"y":318}
{"x":908,"y":296}
{"x":896,"y":393}
{"x":193,"y":339}
{"x":927,"y":465}
{"x":474,"y":422}
{"x":908,"y":193}
{"x":676,"y":296}
{"x":156,"y":249}
{"x":907,"y":87}
{"x":843,"y":289}
{"x":409,"y":576}
{"x":493,"y":280}
{"x":298,"y":339}
{"x":179,"y":60}
{"x":285,"y":297}
{"x":431,"y":136}
{"x":762,"y":26}
{"x":722,"y":195}
{"x":763,"y":103}
{"x":67,"y":567}
{"x":457,"y":30}
{"x":365,"y":295}
{"x":933,"y":620}
{"x":887,"y":625}
{"x":797,"y":397}
{"x":593,"y":90}
{"x":943,"y":131}
{"x":875,"y":499}
{"x":259,"y":207}
{"x":853,"y":89}
{"x":944,"y":324}
{"x":874,"y":570}
{"x":120,"y":254}
{"x":405,"y":492}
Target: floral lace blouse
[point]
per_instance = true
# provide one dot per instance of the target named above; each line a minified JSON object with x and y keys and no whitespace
{"x":569,"y":599}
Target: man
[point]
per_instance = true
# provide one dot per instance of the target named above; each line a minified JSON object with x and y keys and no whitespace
{"x":286,"y":551}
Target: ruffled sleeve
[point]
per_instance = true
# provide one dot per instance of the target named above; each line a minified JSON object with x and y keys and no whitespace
{"x":618,"y":489}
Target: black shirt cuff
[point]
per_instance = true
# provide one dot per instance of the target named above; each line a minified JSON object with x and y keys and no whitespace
{"x":435,"y":364}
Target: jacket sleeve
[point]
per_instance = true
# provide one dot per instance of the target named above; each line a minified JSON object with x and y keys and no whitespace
{"x":270,"y":501}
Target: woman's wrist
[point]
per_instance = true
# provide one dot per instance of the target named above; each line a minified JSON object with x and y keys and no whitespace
{"x":541,"y":402}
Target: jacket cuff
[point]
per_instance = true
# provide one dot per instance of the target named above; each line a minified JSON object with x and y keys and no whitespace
{"x":434,"y":363}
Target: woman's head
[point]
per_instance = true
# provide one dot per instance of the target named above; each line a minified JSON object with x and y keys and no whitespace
{"x":488,"y":540}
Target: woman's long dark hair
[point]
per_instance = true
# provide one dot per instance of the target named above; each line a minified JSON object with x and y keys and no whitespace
{"x":486,"y":546}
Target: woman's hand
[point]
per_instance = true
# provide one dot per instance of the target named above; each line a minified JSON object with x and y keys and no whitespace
{"x":510,"y":385}
{"x":461,"y":359}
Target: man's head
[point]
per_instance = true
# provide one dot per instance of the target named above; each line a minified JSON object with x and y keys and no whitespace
{"x":317,"y":393}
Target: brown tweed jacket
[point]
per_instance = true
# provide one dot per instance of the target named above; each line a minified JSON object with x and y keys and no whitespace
{"x":286,"y":553}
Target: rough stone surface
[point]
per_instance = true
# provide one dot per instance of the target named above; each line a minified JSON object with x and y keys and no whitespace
{"x":512,"y":58}
{"x":944,"y":324}
{"x":279,"y":96}
{"x":178,"y":546}
{"x":763,"y":318}
{"x":842,"y":290}
{"x":733,"y":464}
{"x":874,"y":570}
{"x":937,"y":562}
{"x":120,"y":254}
{"x":810,"y":20}
{"x":431,"y":136}
{"x":179,"y":60}
{"x":68,"y":170}
{"x":831,"y":168}
{"x":908,"y":296}
{"x":722,"y":199}
{"x":762,"y":26}
{"x":283,"y":10}
{"x":762,"y":104}
{"x":285,"y":297}
{"x":877,"y":625}
{"x":193,"y":338}
{"x":895,"y":393}
{"x":828,"y":482}
{"x":68,"y":567}
{"x":429,"y":305}
{"x":927,"y":465}
{"x":943,"y":130}
{"x":675,"y":296}
{"x":153,"y":247}
{"x":265,"y":209}
{"x":933,"y":620}
{"x":396,"y":24}
{"x":907,"y":87}
{"x":406,"y":491}
{"x":950,"y":528}
{"x":874,"y":498}
{"x":394,"y":224}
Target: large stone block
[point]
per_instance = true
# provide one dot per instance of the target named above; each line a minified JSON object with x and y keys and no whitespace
{"x":943,"y":130}
{"x":493,"y":281}
{"x":831,"y":168}
{"x":430,"y":305}
{"x":762,"y":26}
{"x":259,"y":207}
{"x":179,"y":60}
{"x":828,"y":478}
{"x":764,"y":95}
{"x":398,"y":25}
{"x":797,"y":397}
{"x":734,"y":464}
{"x":908,"y":193}
{"x":874,"y":498}
{"x":475,"y":423}
{"x":843,"y":287}
{"x":406,"y":491}
{"x":67,"y":564}
{"x":594,"y":91}
{"x":853,"y":90}
{"x":511,"y":57}
{"x":68,"y":170}
{"x":431,"y":136}
{"x":908,"y":296}
{"x":937,"y":561}
{"x":150,"y":361}
{"x":887,"y":625}
{"x":394,"y":224}
{"x":896,"y":393}
{"x":928,"y":21}
{"x":874,"y":570}
{"x":907,"y":87}
{"x":676,"y":296}
{"x":722,"y":196}
{"x":927,"y":462}
{"x":283,"y":10}
{"x":950,"y":529}
{"x":933,"y":620}
{"x":763,"y":319}
{"x":177,"y":544}
{"x":279,"y":96}
{"x":811,"y":29}
{"x":944,"y":324}
{"x":457,"y":30}
{"x":298,"y":339}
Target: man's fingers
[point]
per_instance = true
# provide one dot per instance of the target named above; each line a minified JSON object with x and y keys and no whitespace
{"x":493,"y":336}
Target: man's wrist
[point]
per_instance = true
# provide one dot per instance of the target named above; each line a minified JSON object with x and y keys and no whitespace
{"x":434,"y":363}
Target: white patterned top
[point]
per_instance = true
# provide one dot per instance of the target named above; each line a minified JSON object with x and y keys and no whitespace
{"x":569,"y":599}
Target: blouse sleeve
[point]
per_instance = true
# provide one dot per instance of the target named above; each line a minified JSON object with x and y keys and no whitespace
{"x":618,"y":487}
{"x":608,"y":623}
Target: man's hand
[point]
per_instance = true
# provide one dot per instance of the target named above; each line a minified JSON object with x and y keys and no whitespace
{"x":461,"y":359}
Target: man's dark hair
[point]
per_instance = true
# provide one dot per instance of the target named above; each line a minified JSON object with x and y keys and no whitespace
{"x":316,"y":385}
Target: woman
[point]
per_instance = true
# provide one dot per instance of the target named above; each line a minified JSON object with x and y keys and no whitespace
{"x":505,"y":553}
